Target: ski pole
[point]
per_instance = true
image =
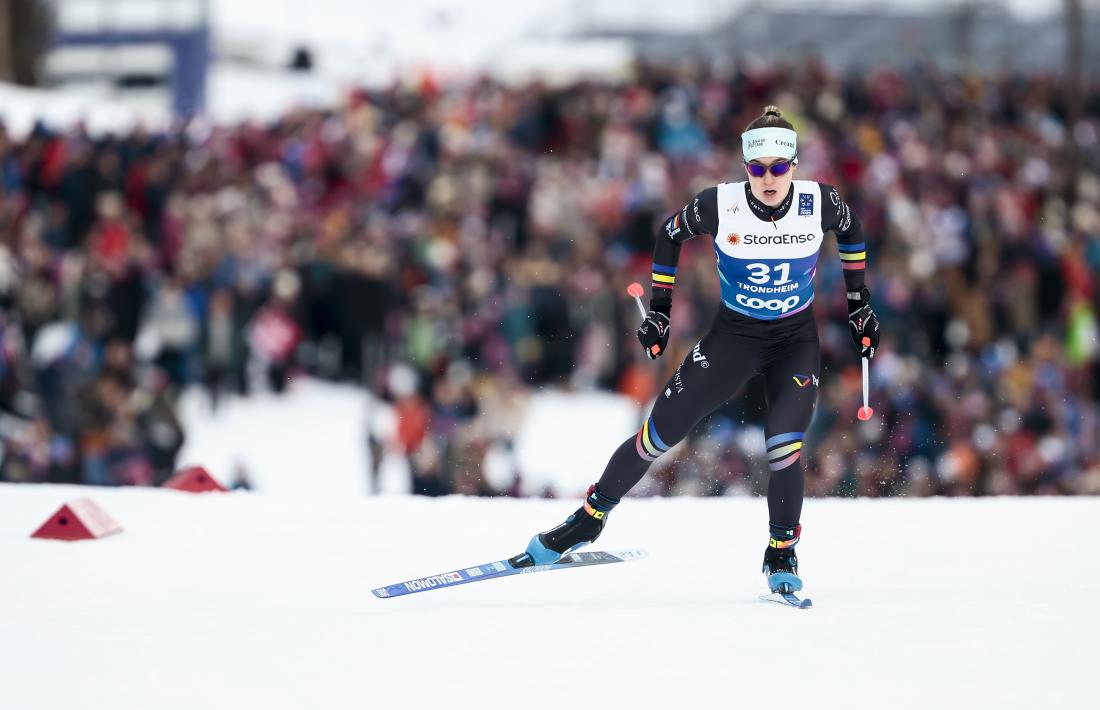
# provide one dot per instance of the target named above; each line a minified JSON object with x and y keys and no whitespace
{"x":635,"y":290}
{"x":865,"y":411}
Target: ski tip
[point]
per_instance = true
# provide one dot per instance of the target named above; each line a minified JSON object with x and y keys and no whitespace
{"x":381,"y":593}
{"x":797,"y":602}
{"x":790,"y":600}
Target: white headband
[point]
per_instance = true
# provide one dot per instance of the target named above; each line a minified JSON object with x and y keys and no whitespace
{"x":769,"y":142}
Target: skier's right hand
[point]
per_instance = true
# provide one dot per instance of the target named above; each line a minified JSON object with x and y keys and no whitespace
{"x":653,"y":334}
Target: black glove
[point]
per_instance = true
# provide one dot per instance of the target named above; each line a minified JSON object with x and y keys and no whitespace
{"x":653,"y":334}
{"x":862,"y":322}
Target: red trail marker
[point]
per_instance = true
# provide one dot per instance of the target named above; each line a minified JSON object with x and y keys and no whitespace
{"x":194,"y":480}
{"x":78,"y":520}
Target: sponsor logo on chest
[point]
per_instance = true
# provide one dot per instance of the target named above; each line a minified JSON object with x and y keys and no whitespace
{"x":772,"y":239}
{"x":744,"y":234}
{"x":770,"y":304}
{"x":790,"y":237}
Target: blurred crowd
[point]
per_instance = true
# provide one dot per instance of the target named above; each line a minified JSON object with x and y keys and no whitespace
{"x":456,"y":249}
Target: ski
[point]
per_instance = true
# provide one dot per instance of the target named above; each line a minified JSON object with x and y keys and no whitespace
{"x":787,"y":599}
{"x":502,"y":568}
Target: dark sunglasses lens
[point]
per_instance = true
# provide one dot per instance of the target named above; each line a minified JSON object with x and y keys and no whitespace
{"x":757,"y":170}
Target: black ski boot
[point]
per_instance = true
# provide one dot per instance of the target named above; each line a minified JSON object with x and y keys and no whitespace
{"x":579,"y":529}
{"x":780,"y":560}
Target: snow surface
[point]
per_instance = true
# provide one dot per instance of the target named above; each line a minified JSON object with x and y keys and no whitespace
{"x":245,"y":600}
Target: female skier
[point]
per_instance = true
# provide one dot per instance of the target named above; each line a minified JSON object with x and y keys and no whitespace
{"x":767,"y":233}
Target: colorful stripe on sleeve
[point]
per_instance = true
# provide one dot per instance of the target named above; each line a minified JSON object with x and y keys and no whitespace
{"x":853,"y":256}
{"x":664,"y":276}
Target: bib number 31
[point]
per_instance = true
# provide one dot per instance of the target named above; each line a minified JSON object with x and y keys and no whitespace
{"x":761,"y":273}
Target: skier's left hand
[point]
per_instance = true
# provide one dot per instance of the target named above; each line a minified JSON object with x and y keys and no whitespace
{"x":862,"y":322}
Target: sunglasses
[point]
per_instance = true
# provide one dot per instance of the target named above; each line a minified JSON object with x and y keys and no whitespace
{"x":779,"y":167}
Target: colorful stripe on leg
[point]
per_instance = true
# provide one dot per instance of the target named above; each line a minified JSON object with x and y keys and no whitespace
{"x":648,"y":443}
{"x":784,"y":450}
